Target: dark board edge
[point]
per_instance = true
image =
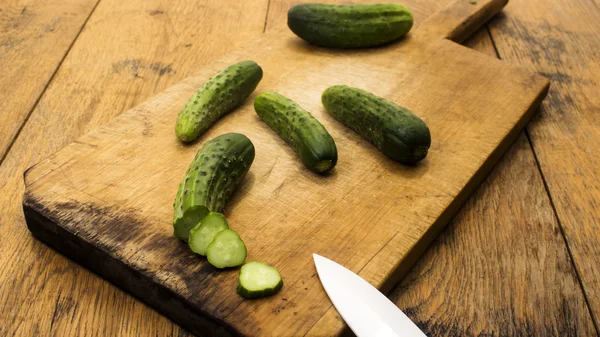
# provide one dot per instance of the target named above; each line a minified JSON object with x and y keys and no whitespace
{"x":159,"y":297}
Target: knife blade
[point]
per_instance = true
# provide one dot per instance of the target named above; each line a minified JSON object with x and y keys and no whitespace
{"x":364,"y":308}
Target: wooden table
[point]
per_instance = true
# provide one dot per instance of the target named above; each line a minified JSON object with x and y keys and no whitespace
{"x":520,"y":258}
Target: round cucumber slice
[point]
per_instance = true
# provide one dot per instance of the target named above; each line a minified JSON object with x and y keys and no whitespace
{"x":258,"y":280}
{"x":226,"y":250}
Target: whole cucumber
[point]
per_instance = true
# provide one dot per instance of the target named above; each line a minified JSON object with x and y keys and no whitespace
{"x":299,"y":129}
{"x":212,"y":177}
{"x":349,"y":26}
{"x":392,"y":129}
{"x":220,"y":94}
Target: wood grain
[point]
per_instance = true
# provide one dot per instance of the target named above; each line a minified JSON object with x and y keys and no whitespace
{"x":28,"y":30}
{"x":128,"y":51}
{"x":80,"y":198}
{"x":502,"y":267}
{"x":560,"y":40}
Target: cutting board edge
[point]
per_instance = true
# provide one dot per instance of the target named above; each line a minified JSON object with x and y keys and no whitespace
{"x":120,"y":274}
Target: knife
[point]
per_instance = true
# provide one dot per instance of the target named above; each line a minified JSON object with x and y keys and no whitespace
{"x":365,"y":309}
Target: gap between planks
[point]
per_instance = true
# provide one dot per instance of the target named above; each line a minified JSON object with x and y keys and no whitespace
{"x":267,"y":16}
{"x":552,"y":204}
{"x":50,"y":79}
{"x":562,"y":232}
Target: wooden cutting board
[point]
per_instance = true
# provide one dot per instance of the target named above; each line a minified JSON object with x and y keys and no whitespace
{"x":106,"y":199}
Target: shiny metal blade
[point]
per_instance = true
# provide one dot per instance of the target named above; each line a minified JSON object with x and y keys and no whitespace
{"x":364,"y":308}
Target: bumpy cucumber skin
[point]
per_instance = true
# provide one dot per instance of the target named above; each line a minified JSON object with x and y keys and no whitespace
{"x":392,"y":129}
{"x":299,"y":129}
{"x":349,"y":26}
{"x":217,"y":96}
{"x":252,"y":294}
{"x":212,"y":177}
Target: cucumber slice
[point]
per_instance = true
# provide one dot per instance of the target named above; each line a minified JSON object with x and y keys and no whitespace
{"x":204,"y":232}
{"x":258,"y":280}
{"x":226,"y":250}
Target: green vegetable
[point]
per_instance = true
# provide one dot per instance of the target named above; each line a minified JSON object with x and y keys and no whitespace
{"x":204,"y":232}
{"x":226,"y":250}
{"x":392,"y":129}
{"x":258,"y":280}
{"x":349,"y":26}
{"x":212,"y":177}
{"x":219,"y":95}
{"x":299,"y":129}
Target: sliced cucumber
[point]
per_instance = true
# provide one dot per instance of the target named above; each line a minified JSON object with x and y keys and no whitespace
{"x":258,"y":280}
{"x":226,"y":250}
{"x":204,"y":232}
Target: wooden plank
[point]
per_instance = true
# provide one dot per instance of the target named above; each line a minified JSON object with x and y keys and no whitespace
{"x":35,"y":36}
{"x":79,"y":199}
{"x":128,"y":51}
{"x":560,"y":40}
{"x":502,"y":267}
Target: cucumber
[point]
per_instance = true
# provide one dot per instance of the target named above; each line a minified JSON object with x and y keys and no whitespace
{"x":204,"y":232}
{"x":258,"y":280}
{"x":299,"y":129}
{"x":212,"y":177}
{"x":349,"y":26}
{"x":392,"y":129}
{"x":217,"y":96}
{"x":226,"y":250}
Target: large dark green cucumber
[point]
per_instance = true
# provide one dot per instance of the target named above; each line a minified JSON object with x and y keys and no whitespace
{"x":299,"y":129}
{"x":392,"y":129}
{"x":212,"y":177}
{"x":349,"y":26}
{"x":217,"y":96}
